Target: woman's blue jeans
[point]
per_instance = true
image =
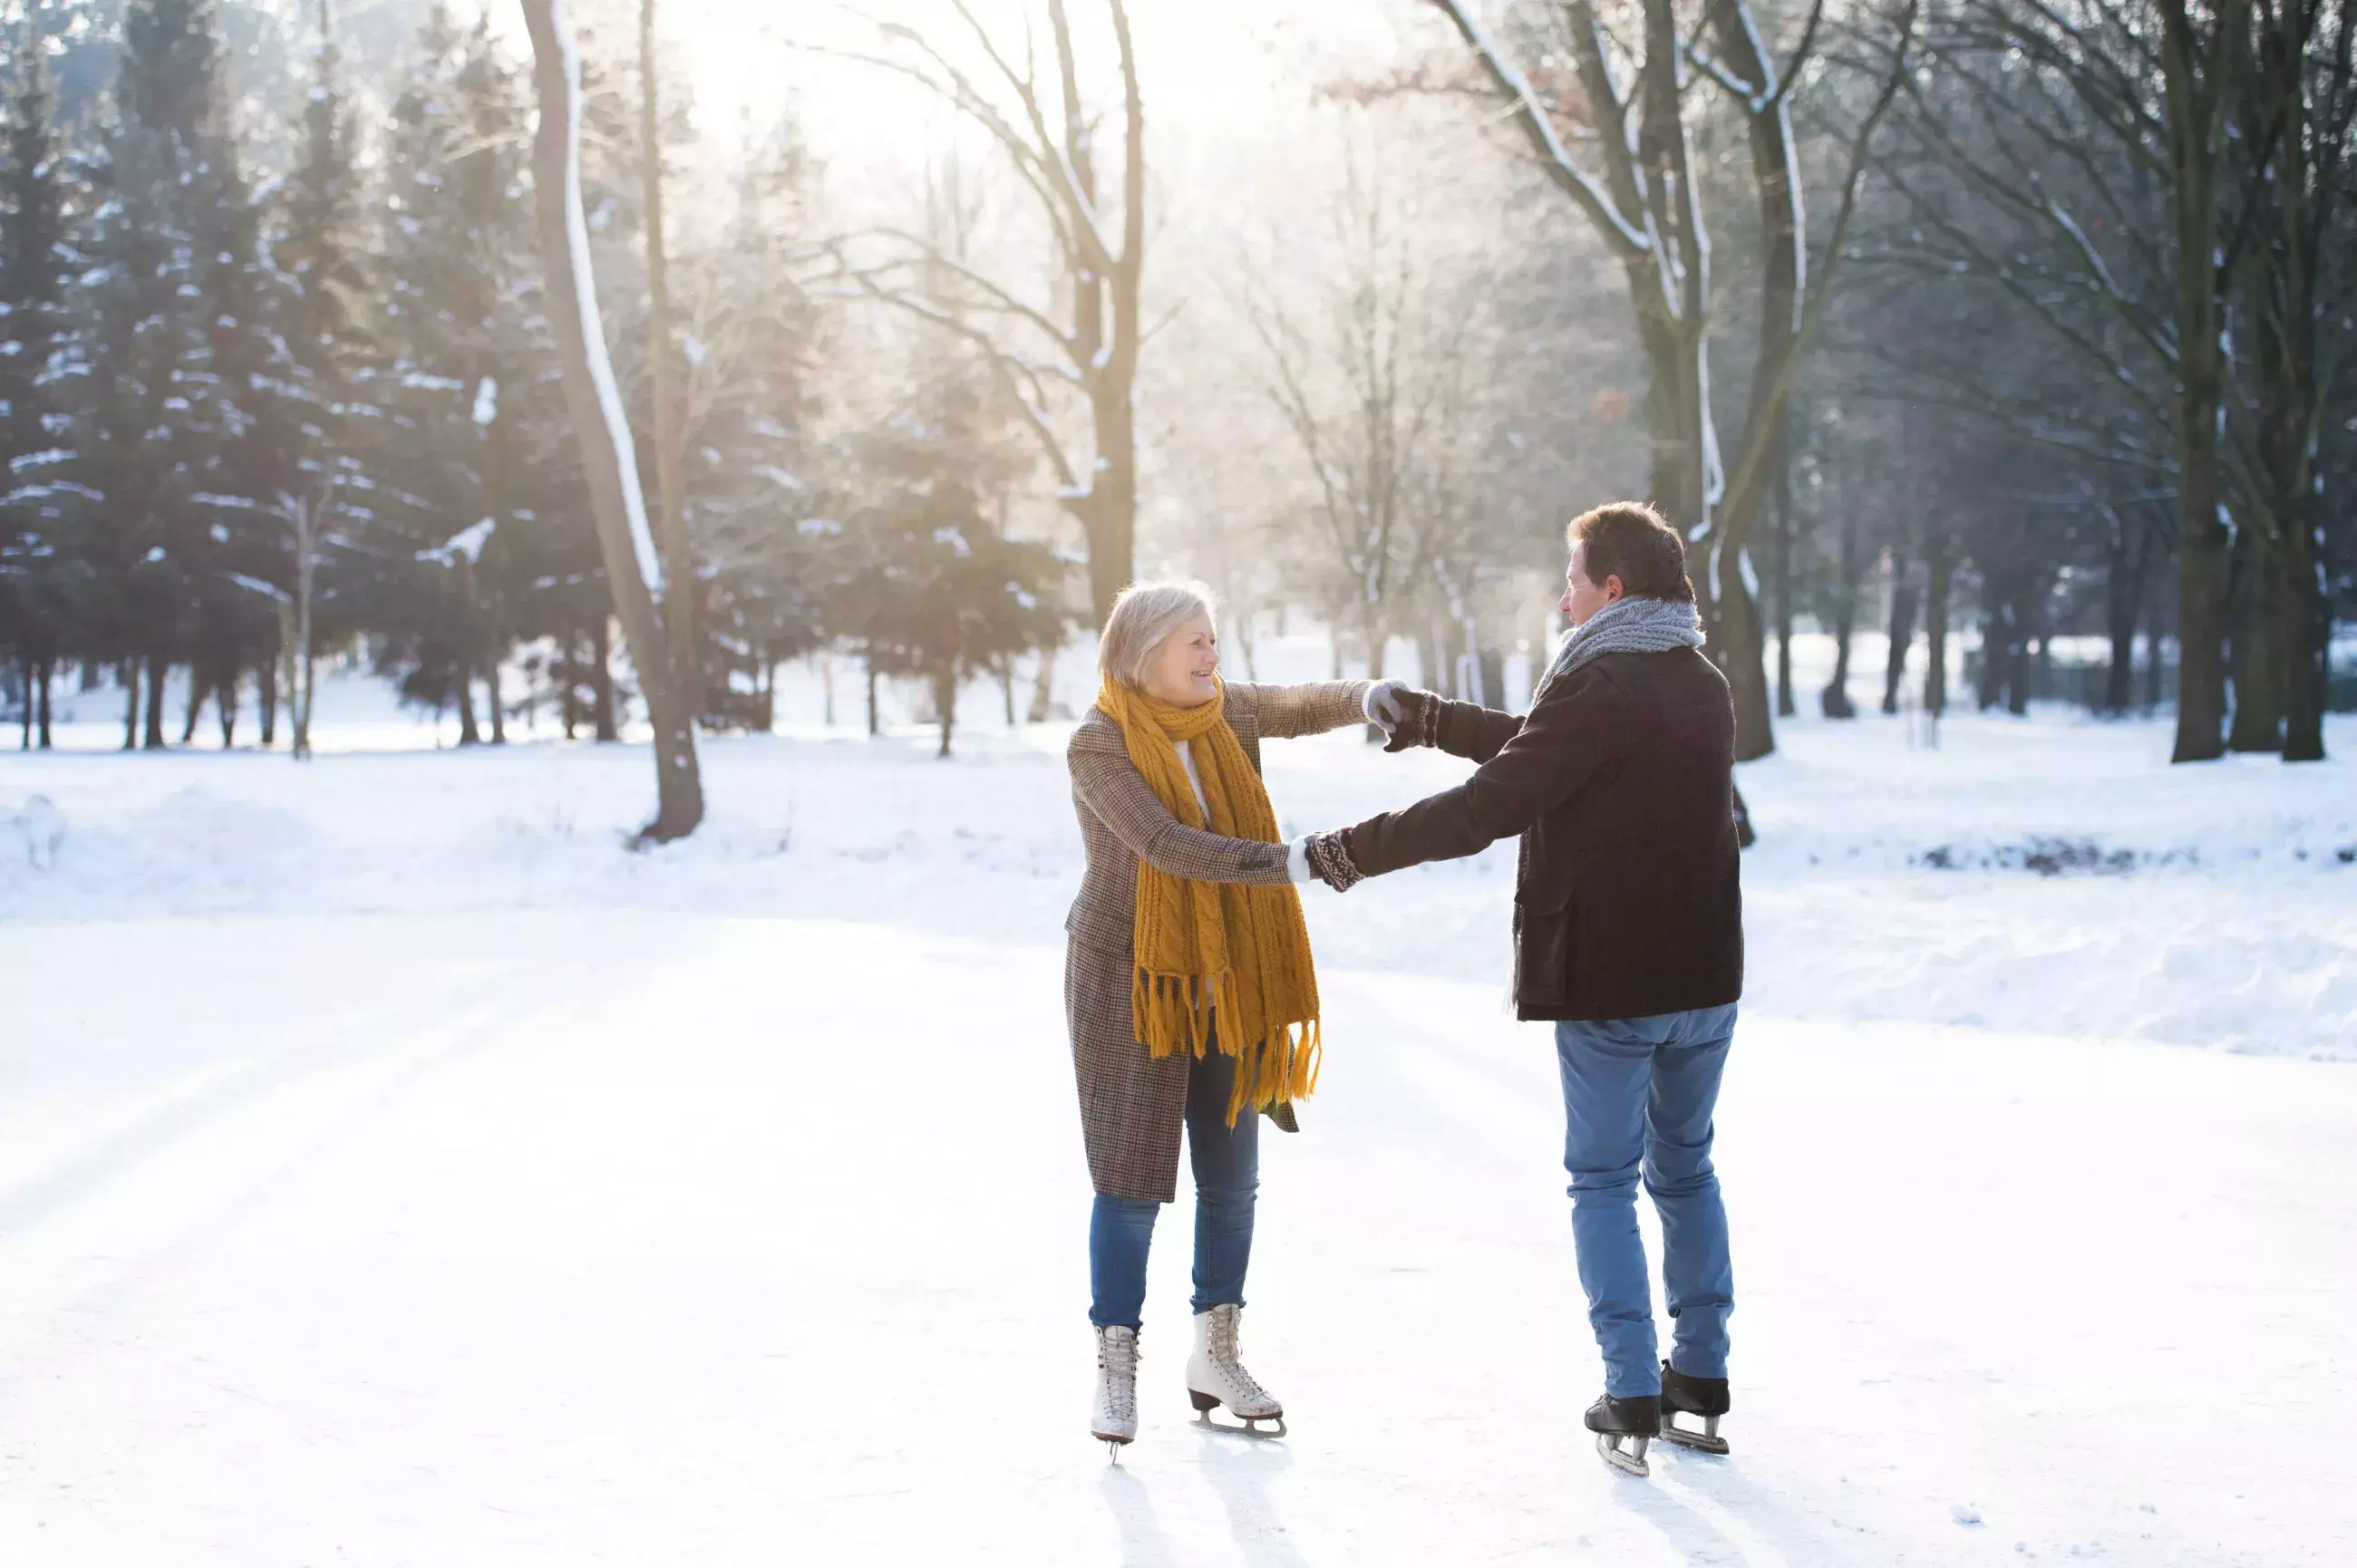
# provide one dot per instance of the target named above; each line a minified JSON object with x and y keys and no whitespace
{"x":1227,"y":1179}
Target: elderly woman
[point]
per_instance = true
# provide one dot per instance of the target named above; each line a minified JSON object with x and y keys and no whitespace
{"x":1188,"y":984}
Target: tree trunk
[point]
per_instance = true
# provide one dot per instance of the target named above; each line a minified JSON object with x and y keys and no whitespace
{"x":265,"y":702}
{"x":568,"y":683}
{"x":2016,"y":682}
{"x":1901,"y":636}
{"x":25,"y":680}
{"x":633,"y":571}
{"x":158,"y":670}
{"x":1836,"y":701}
{"x":304,"y":687}
{"x":1006,"y":687}
{"x":1043,"y":688}
{"x":48,"y":673}
{"x":497,"y":700}
{"x":2156,"y":676}
{"x":469,"y":734}
{"x":2192,"y":104}
{"x":1782,"y":567}
{"x":2258,"y":652}
{"x":1935,"y":631}
{"x":601,"y":680}
{"x":679,"y":565}
{"x":2308,"y":639}
{"x":225,"y":705}
{"x":826,"y":684}
{"x":1744,"y":663}
{"x":945,"y":696}
{"x":128,"y":673}
{"x":875,"y":718}
{"x":199,"y":688}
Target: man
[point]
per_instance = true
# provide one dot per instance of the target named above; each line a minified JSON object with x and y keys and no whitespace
{"x":1628,"y":937}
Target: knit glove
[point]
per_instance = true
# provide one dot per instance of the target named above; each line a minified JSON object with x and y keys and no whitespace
{"x":1409,"y":717}
{"x":1330,"y":859}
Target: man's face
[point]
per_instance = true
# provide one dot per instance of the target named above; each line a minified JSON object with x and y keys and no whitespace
{"x":1581,"y":597}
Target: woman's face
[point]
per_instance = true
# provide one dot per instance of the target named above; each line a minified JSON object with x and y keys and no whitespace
{"x":1184,"y":672}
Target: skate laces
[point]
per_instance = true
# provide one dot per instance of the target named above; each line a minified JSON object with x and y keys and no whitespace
{"x":1224,"y":1356}
{"x":1117,"y":1360}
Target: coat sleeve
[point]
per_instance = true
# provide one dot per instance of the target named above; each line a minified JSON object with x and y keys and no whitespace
{"x":1286,"y":711}
{"x":1473,"y":732}
{"x":1575,"y":733}
{"x":1108,"y":784}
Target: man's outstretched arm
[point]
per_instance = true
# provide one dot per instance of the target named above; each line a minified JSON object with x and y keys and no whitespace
{"x":1574,"y":733}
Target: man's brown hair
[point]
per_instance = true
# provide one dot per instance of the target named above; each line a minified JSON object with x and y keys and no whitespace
{"x":1629,"y":540}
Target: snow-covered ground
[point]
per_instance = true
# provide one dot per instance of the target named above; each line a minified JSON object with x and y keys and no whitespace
{"x":395,"y":1170}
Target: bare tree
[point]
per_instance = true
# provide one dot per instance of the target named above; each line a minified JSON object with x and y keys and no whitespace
{"x":1637,"y":109}
{"x":1050,"y":134}
{"x":679,"y":561}
{"x":626,"y":543}
{"x":1361,"y":379}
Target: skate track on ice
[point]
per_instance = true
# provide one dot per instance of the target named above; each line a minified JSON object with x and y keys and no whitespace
{"x":523,"y":1238}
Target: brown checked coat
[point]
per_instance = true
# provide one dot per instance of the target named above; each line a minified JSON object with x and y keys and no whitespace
{"x":1132,"y":1106}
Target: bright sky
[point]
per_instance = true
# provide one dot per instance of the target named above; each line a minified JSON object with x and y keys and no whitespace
{"x":1212,"y":71}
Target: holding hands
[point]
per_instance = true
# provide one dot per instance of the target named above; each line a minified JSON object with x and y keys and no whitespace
{"x":1409,"y":717}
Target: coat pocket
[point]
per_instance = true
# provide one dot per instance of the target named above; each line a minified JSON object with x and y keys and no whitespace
{"x":1544,"y":929}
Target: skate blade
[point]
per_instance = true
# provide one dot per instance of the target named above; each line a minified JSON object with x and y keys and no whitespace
{"x":1706,"y":1441}
{"x":1206,"y":1403}
{"x":1628,"y":1461}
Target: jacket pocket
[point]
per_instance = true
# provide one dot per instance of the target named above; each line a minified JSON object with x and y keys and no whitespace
{"x":1544,"y":929}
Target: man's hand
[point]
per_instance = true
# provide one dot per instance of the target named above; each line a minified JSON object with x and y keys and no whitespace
{"x":1408,"y":716}
{"x":1329,"y":859}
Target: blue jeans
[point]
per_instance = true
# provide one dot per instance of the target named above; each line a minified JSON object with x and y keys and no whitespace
{"x":1638,"y":1093}
{"x":1227,"y":1179}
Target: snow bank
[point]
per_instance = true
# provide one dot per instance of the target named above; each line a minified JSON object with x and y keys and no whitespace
{"x":2049,"y":876}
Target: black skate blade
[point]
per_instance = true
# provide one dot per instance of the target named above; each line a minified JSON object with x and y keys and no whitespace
{"x":1706,"y":1441}
{"x":1628,"y":1461}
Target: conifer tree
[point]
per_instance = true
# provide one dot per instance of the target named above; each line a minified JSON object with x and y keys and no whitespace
{"x":38,"y":582}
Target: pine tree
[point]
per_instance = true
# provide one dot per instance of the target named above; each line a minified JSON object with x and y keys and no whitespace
{"x":753,"y":481}
{"x":318,"y":478}
{"x":38,"y":580}
{"x":168,"y":425}
{"x":480,"y":476}
{"x":940,"y":592}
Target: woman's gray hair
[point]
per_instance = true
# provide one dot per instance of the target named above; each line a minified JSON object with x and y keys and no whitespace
{"x":1143,"y":615}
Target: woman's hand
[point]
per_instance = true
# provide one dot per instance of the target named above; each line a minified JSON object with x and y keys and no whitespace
{"x":1409,"y":717}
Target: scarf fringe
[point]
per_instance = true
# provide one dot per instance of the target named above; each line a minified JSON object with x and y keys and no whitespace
{"x":1178,"y":1013}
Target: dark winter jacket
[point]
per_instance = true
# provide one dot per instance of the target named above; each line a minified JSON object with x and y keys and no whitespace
{"x":1629,"y":901}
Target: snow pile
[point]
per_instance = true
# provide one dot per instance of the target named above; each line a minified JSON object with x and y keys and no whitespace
{"x":2047,"y":877}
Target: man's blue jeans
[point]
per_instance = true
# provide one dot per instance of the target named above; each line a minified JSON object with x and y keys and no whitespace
{"x":1227,"y":1180}
{"x":1638,"y":1093}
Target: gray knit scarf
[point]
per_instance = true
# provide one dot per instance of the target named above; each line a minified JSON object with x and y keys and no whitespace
{"x":1627,"y":626}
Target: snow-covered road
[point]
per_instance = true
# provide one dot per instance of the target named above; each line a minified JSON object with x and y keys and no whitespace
{"x":520,"y":1238}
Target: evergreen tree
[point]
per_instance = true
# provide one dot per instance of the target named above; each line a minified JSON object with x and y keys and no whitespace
{"x":752,"y":486}
{"x":167,"y":426}
{"x":38,"y":580}
{"x":938,"y":592}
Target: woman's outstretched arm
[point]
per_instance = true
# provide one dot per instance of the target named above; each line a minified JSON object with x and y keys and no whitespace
{"x":1286,"y":712}
{"x":1109,"y":784}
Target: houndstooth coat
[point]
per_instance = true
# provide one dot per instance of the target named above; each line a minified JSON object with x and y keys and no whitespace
{"x":1132,"y":1106}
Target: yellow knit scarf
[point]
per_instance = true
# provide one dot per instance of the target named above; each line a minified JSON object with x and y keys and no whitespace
{"x":1205,"y":946}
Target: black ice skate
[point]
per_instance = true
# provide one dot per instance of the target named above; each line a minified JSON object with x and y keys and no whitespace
{"x":1705,"y":1397}
{"x":1622,"y":1428}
